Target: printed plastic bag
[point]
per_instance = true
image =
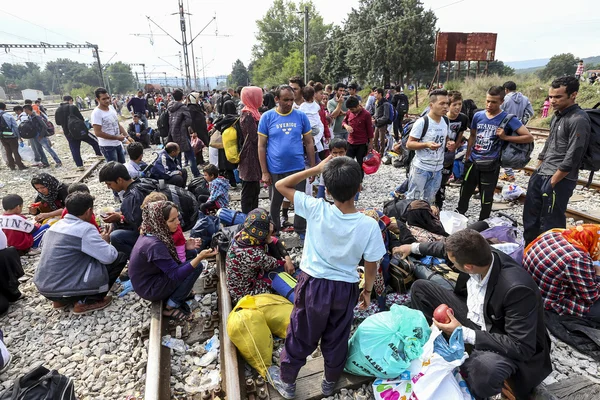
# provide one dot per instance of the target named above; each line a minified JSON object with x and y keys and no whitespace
{"x":512,"y":192}
{"x":384,"y":345}
{"x":453,"y":221}
{"x":436,"y":380}
{"x":371,"y":162}
{"x":26,"y":153}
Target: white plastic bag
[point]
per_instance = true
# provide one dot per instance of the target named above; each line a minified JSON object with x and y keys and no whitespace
{"x":26,"y":153}
{"x":453,"y":221}
{"x":511,"y":192}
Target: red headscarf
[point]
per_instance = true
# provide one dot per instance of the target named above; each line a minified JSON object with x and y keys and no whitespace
{"x":252,"y":98}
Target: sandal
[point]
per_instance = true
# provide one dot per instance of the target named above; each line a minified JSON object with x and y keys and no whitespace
{"x":176,"y":314}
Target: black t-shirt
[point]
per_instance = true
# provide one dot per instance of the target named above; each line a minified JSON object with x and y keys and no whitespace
{"x":457,"y":127}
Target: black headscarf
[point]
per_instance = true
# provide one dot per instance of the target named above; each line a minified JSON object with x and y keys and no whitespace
{"x":53,"y":186}
{"x":419,"y":214}
{"x":268,"y":101}
{"x":229,"y":116}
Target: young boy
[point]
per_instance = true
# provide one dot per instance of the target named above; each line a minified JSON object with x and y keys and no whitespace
{"x":80,"y":187}
{"x":21,"y":233}
{"x":337,"y":237}
{"x":219,"y":190}
{"x":135,"y":166}
{"x":338,"y":148}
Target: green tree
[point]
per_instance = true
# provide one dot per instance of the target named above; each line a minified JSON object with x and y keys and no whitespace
{"x":121,"y":78}
{"x":334,"y":67}
{"x":239,"y":74}
{"x":559,"y":65}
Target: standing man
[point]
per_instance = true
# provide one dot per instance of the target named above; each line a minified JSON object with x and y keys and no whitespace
{"x":353,"y":91}
{"x":552,"y":185}
{"x":283,"y":136}
{"x":519,"y":105}
{"x":400,"y":103}
{"x":297,"y":84}
{"x":139,"y":105}
{"x":40,"y":141}
{"x":370,"y":106}
{"x":180,"y":121}
{"x":381,"y":119}
{"x":107,"y":128}
{"x":482,"y":160}
{"x":337,"y":108}
{"x":9,"y":136}
{"x":428,"y":138}
{"x":360,"y":130}
{"x":579,"y":72}
{"x":88,"y":101}
{"x":62,"y":118}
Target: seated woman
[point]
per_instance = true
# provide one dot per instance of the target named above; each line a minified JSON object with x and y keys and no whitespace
{"x":248,"y":259}
{"x":10,"y":272}
{"x":563,"y":263}
{"x":50,"y":200}
{"x":424,"y":222}
{"x":155,"y":269}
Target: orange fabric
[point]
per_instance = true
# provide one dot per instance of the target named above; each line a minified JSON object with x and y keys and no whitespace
{"x":585,"y":237}
{"x":252,"y":98}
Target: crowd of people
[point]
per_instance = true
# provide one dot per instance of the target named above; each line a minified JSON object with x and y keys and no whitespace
{"x":307,"y":144}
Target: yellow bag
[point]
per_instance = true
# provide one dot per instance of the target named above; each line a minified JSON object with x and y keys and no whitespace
{"x":249,"y":332}
{"x":277,"y":310}
{"x":230,"y":144}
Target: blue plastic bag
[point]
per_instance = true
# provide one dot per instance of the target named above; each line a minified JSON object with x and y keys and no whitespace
{"x":385,"y":343}
{"x":452,"y":350}
{"x":206,"y":226}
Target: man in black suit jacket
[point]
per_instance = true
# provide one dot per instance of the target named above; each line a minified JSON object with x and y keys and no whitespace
{"x":502,"y":317}
{"x":138,"y":131}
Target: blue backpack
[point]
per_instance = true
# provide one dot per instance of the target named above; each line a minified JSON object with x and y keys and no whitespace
{"x":393,"y":113}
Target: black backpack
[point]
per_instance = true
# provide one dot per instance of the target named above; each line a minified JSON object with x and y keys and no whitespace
{"x":408,"y":155}
{"x":77,"y":129}
{"x":591,"y":157}
{"x":185,"y":200}
{"x":401,"y":102}
{"x":469,"y":108}
{"x":199,"y":187}
{"x":41,"y":384}
{"x":163,"y":124}
{"x":5,"y":131}
{"x":514,"y":155}
{"x":29,"y":128}
{"x":397,"y":208}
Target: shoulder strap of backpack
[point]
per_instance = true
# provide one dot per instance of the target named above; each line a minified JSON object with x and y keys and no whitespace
{"x":447,"y":120}
{"x":425,"y":126}
{"x":506,"y":120}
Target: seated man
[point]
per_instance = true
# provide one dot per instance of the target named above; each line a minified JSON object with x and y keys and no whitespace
{"x":78,"y":265}
{"x":21,"y":233}
{"x":138,"y":131}
{"x":168,"y":167}
{"x":502,"y":317}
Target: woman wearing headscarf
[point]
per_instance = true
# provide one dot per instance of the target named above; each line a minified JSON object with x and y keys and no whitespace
{"x":249,"y":166}
{"x":228,"y":117}
{"x":248,"y":260}
{"x":564,"y":264}
{"x":268,"y":102}
{"x":424,"y":223}
{"x":50,"y":199}
{"x":155,"y":269}
{"x":10,"y":272}
{"x":198,"y":127}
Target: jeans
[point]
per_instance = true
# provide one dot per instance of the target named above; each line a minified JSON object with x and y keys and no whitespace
{"x":423,"y":185}
{"x":40,"y":156}
{"x":441,"y":194}
{"x":191,"y":157}
{"x":113,"y":153}
{"x":46,"y":145}
{"x":184,"y":288}
{"x":124,"y":240}
{"x":75,"y":147}
{"x":545,"y":206}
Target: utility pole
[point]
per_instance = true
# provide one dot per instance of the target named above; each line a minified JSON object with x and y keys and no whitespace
{"x":184,"y":44}
{"x":305,"y":44}
{"x":192,"y":46}
{"x":203,"y":67}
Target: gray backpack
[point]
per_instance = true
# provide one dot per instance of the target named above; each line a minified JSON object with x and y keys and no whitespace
{"x":514,"y":155}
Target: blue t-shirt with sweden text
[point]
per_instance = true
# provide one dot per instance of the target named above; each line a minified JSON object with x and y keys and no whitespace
{"x":335,"y":242}
{"x":487,"y":143}
{"x":285,"y":147}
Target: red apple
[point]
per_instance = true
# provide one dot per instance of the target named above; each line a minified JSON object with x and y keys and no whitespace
{"x":441,"y":314}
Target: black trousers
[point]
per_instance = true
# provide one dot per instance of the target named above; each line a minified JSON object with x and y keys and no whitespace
{"x":250,"y":192}
{"x":358,"y":152}
{"x":545,"y":206}
{"x":178,"y":180}
{"x":440,"y":196}
{"x":486,"y":181}
{"x":277,"y":200}
{"x":114,"y":270}
{"x":397,"y":126}
{"x":486,"y":371}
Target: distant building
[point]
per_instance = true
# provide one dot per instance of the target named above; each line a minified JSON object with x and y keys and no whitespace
{"x":32,"y":94}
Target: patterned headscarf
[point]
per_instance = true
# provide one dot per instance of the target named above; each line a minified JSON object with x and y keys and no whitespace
{"x":585,"y":237}
{"x":256,"y":228}
{"x":154,"y":223}
{"x":49,"y":182}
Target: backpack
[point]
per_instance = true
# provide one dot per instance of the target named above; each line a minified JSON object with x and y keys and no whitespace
{"x":185,"y":200}
{"x":76,"y":127}
{"x":41,"y":384}
{"x":5,"y":131}
{"x":163,"y":124}
{"x":514,"y":155}
{"x":393,"y":113}
{"x":469,"y":108}
{"x":28,"y":128}
{"x":408,"y":155}
{"x":199,"y":187}
{"x":49,"y":126}
{"x":401,"y":102}
{"x":231,"y":143}
{"x":591,"y":157}
{"x":397,"y":208}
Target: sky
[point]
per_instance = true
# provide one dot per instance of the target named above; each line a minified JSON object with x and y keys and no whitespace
{"x":537,"y":31}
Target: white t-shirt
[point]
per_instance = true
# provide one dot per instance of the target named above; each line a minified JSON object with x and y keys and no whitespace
{"x":312,"y":112}
{"x":427,"y":159}
{"x":109,"y":121}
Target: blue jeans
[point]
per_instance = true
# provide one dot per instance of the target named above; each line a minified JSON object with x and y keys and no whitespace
{"x":40,"y":156}
{"x":423,"y":185}
{"x":46,"y":145}
{"x":124,"y":240}
{"x":75,"y":147}
{"x":184,"y":288}
{"x":113,"y":153}
{"x":191,"y":157}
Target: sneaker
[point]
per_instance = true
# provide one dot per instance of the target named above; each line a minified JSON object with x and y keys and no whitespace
{"x":508,"y":178}
{"x":86,"y":308}
{"x":5,"y":356}
{"x":57,"y":305}
{"x":327,"y":387}
{"x":58,"y":165}
{"x":44,"y":166}
{"x":80,"y":169}
{"x":23,"y":167}
{"x":34,"y":252}
{"x":286,"y":390}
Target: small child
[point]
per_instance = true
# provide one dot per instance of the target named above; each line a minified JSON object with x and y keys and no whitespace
{"x":546,"y":107}
{"x":80,"y":187}
{"x":21,"y":233}
{"x":338,"y":148}
{"x":135,"y":166}
{"x":219,"y":190}
{"x":338,"y":236}
{"x":312,"y":109}
{"x":210,"y":123}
